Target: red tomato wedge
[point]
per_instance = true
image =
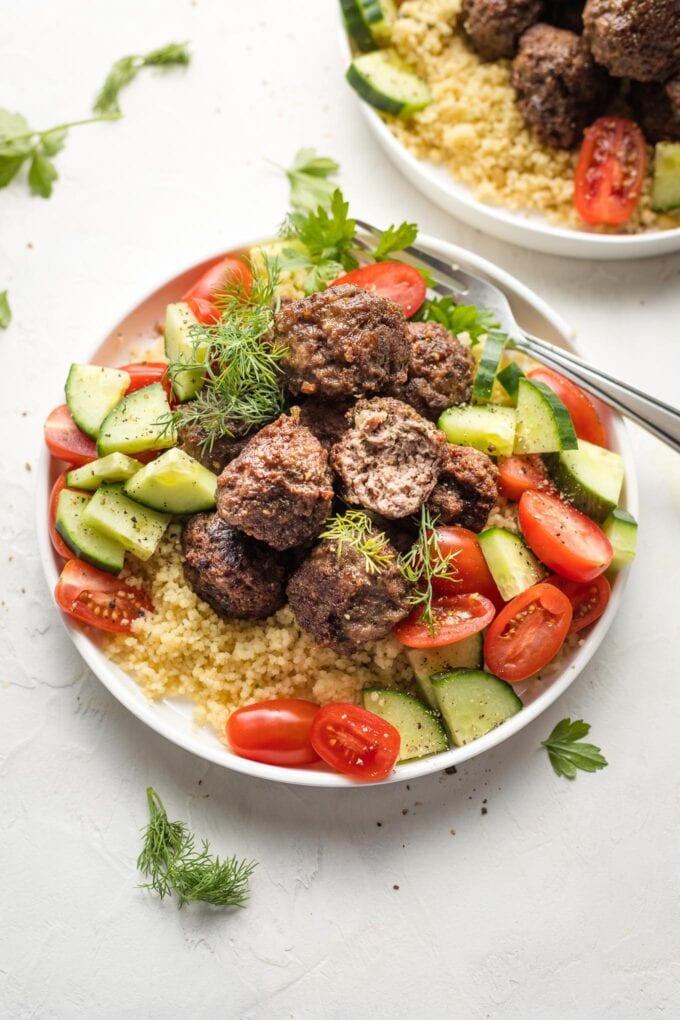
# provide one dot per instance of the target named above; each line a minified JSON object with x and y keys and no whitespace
{"x":58,"y":542}
{"x":203,"y":296}
{"x":470,"y":572}
{"x":395,"y":280}
{"x":145,"y":373}
{"x":521,"y":474}
{"x":99,"y":599}
{"x":610,"y":171}
{"x":355,"y":741}
{"x":65,"y":440}
{"x":455,"y":617}
{"x":588,"y":599}
{"x":274,"y":732}
{"x":563,"y":538}
{"x":527,"y":633}
{"x":581,"y":408}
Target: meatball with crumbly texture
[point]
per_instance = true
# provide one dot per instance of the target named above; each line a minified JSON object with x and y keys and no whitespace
{"x":341,"y":342}
{"x":194,"y":440}
{"x":326,"y":419}
{"x":279,"y":489}
{"x":390,"y":458}
{"x":637,"y":39}
{"x":340,"y":603}
{"x":439,"y":373}
{"x":239,"y":577}
{"x":560,"y":89}
{"x":658,"y":110}
{"x":466,"y":491}
{"x":494,"y":26}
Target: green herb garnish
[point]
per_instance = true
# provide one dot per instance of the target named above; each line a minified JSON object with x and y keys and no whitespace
{"x":309,"y":175}
{"x":476,"y":322}
{"x":5,"y":310}
{"x":395,"y":239}
{"x":355,"y":527}
{"x":127,"y":68}
{"x":327,"y":237}
{"x":568,"y":753}
{"x":424,"y":563}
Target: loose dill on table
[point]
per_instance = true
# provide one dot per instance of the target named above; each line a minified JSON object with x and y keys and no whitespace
{"x":424,"y":563}
{"x":355,"y":528}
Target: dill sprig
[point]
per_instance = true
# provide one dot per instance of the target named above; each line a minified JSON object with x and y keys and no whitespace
{"x":355,"y":527}
{"x":171,"y":861}
{"x":424,"y":563}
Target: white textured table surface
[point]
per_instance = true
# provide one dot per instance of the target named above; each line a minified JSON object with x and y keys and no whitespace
{"x":501,"y":891}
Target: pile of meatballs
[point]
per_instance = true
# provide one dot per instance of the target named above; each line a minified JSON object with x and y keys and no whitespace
{"x":364,"y":388}
{"x":569,"y":58}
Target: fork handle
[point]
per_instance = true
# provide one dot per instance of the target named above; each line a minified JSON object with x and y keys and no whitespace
{"x":662,"y":420}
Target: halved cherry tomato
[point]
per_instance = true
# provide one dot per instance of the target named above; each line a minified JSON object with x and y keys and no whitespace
{"x":201,"y":296}
{"x":355,"y":741}
{"x":582,"y":410}
{"x":145,"y":373}
{"x":563,"y":538}
{"x":58,"y":542}
{"x":455,"y":617}
{"x":65,"y":440}
{"x":395,"y":280}
{"x":588,"y":599}
{"x":610,"y":171}
{"x":521,"y":474}
{"x":470,"y":572}
{"x":527,"y":633}
{"x":274,"y":732}
{"x":97,"y":598}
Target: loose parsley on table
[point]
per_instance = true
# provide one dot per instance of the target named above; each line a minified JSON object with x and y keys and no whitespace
{"x":127,"y":68}
{"x":309,"y":181}
{"x":5,"y":310}
{"x":568,"y":753}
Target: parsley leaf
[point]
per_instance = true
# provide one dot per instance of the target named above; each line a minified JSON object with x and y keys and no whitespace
{"x":41,"y":175}
{"x":476,"y":322}
{"x":127,"y":68}
{"x":5,"y":310}
{"x":309,"y":174}
{"x":326,"y":238}
{"x":395,"y":239}
{"x":568,"y":753}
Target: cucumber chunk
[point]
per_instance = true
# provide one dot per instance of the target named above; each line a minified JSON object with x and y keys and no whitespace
{"x":419,"y":727}
{"x":513,"y":567}
{"x":114,"y":514}
{"x":91,"y":392}
{"x":543,"y":422}
{"x":135,"y":424}
{"x":84,"y":541}
{"x":378,"y":16}
{"x":509,"y":378}
{"x":465,"y":654}
{"x":180,"y":346}
{"x":666,"y":186}
{"x":490,"y":429}
{"x":385,"y":81}
{"x":487,"y":369}
{"x":175,"y":483}
{"x":114,"y":468}
{"x":356,"y":27}
{"x":621,"y":529}
{"x":590,"y":477}
{"x":473,"y":702}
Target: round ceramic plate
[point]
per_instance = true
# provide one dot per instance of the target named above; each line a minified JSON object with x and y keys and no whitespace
{"x":525,"y":230}
{"x":173,"y":718}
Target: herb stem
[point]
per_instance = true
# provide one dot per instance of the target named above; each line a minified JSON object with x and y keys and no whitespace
{"x":64,"y":127}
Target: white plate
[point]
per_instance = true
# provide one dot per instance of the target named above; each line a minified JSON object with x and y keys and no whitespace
{"x":172,"y":718}
{"x":523,"y":229}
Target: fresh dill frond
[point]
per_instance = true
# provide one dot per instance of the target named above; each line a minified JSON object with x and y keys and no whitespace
{"x":171,"y":862}
{"x":424,"y":563}
{"x":355,"y":527}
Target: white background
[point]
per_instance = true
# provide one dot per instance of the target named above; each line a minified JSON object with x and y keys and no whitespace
{"x":563,"y":899}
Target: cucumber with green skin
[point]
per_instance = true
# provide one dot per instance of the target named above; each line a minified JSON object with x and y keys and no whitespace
{"x":590,"y":477}
{"x":385,"y":81}
{"x":91,"y":392}
{"x":666,"y":185}
{"x":543,"y":422}
{"x":116,"y":467}
{"x":473,"y":702}
{"x":174,"y":483}
{"x":356,"y":26}
{"x":136,"y":528}
{"x":180,"y":347}
{"x":488,"y":428}
{"x":425,"y":662}
{"x":621,"y":529}
{"x":137,"y":423}
{"x":420,"y":729}
{"x":487,"y":369}
{"x":378,"y":16}
{"x":509,"y":378}
{"x":513,"y":567}
{"x":84,"y":541}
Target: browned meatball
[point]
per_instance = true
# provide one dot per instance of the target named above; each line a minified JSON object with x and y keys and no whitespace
{"x":341,"y":604}
{"x":637,"y":39}
{"x":560,"y":89}
{"x":326,"y":419}
{"x":658,"y":110}
{"x":494,"y":26}
{"x":439,"y":371}
{"x":341,"y":342}
{"x":389,"y":460}
{"x":466,"y":491}
{"x":279,"y":489}
{"x":239,"y":577}
{"x":192,"y":439}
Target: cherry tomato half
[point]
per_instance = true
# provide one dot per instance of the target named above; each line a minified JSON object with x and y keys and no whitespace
{"x":201,"y":296}
{"x":455,"y":617}
{"x":274,"y":732}
{"x":583,"y":412}
{"x":355,"y":741}
{"x":65,"y":440}
{"x":97,"y":598}
{"x":145,"y":373}
{"x":58,"y":542}
{"x":588,"y":599}
{"x":563,"y":538}
{"x":470,"y":572}
{"x":395,"y":280}
{"x":527,"y":633}
{"x":610,"y":171}
{"x":521,"y":474}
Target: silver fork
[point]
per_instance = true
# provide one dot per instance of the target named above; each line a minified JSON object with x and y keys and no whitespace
{"x":662,"y":420}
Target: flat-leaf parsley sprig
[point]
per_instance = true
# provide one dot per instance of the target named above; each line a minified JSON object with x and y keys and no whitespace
{"x":476,"y":322}
{"x":324,"y":239}
{"x":356,"y":528}
{"x":568,"y":753}
{"x":424,"y":563}
{"x":127,"y":68}
{"x":309,"y":178}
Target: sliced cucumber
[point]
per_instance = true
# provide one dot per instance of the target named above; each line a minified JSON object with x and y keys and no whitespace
{"x":356,"y":26}
{"x":509,"y":378}
{"x":473,"y":702}
{"x":543,"y":422}
{"x":666,"y":186}
{"x":490,"y":429}
{"x":590,"y":477}
{"x":419,"y":727}
{"x":114,"y":468}
{"x":174,"y":483}
{"x":114,"y":514}
{"x":91,"y":392}
{"x":378,"y":16}
{"x":84,"y":541}
{"x":180,"y":347}
{"x":137,"y":423}
{"x":513,"y":567}
{"x":385,"y":81}
{"x":489,"y":362}
{"x":621,"y":529}
{"x":465,"y":654}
